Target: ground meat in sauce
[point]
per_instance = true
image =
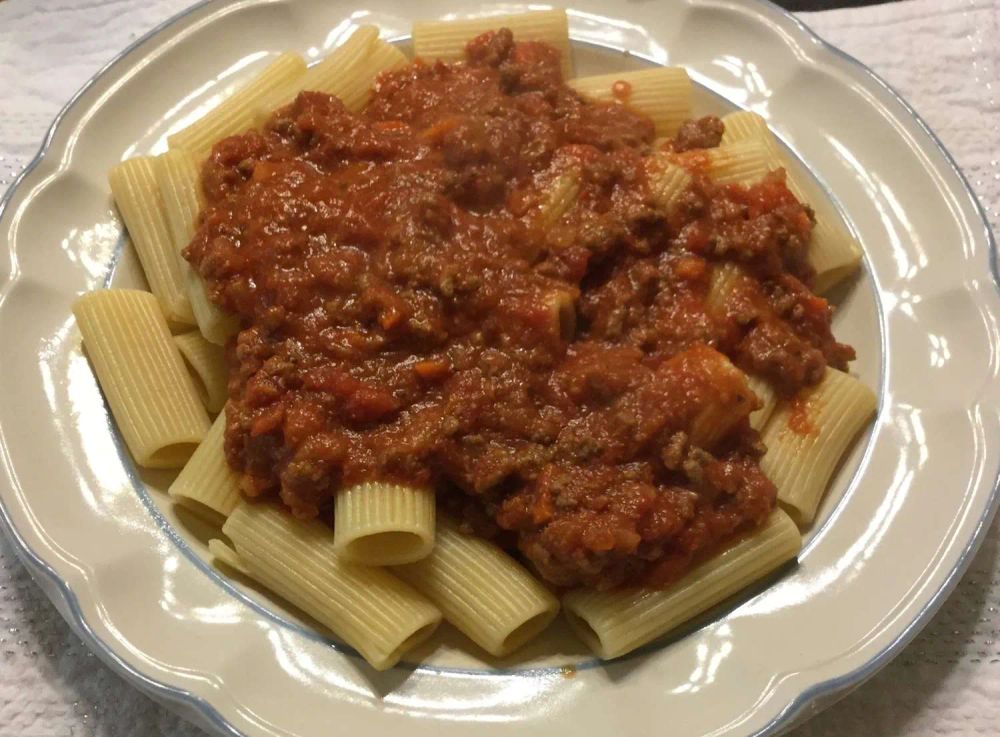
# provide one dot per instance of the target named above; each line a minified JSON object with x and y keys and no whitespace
{"x":699,"y":133}
{"x":410,"y":312}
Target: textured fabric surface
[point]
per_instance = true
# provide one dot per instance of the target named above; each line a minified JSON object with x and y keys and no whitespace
{"x":941,"y":54}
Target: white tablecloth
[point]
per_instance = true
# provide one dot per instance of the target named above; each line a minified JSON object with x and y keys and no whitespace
{"x":943,"y":55}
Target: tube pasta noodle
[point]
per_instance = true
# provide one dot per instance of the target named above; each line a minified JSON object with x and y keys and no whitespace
{"x":151,"y":395}
{"x":806,"y":438}
{"x":207,"y":481}
{"x":560,"y":197}
{"x":179,"y":181}
{"x":733,"y":402}
{"x":749,"y":126}
{"x":446,"y":40}
{"x":134,"y":187}
{"x":215,"y":324}
{"x":224,"y":554}
{"x":330,"y":74}
{"x":561,"y":309}
{"x":834,"y":253}
{"x":613,"y":623}
{"x":382,"y":524}
{"x":768,"y":397}
{"x":743,"y":162}
{"x":668,"y":182}
{"x":357,"y":89}
{"x":482,"y":591}
{"x":235,"y":114}
{"x":746,"y":125}
{"x":180,"y":187}
{"x":376,"y":613}
{"x":724,"y":280}
{"x":662,"y":93}
{"x":208,"y":367}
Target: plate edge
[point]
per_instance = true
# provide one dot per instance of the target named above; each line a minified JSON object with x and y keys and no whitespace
{"x":833,"y":688}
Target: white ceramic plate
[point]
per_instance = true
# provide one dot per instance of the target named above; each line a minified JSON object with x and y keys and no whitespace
{"x":905,"y":515}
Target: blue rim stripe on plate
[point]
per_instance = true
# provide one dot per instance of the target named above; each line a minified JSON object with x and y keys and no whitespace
{"x":842,"y":684}
{"x":35,"y":564}
{"x":70,"y":604}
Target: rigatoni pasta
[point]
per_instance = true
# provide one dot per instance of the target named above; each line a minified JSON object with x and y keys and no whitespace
{"x":223,"y":553}
{"x":331,"y":74}
{"x":614,"y":623}
{"x":743,"y":162}
{"x":356,"y":89}
{"x":725,"y":280}
{"x":446,"y":40}
{"x":667,"y":182}
{"x":743,"y":125}
{"x":768,"y":399}
{"x":152,"y":396}
{"x":207,"y":481}
{"x":377,"y":614}
{"x":560,"y":197}
{"x":235,"y":113}
{"x":213,"y":322}
{"x":833,"y":253}
{"x":807,"y":436}
{"x":382,"y":524}
{"x":179,"y":180}
{"x":208,"y":368}
{"x":482,"y":591}
{"x":662,"y":93}
{"x":134,"y":187}
{"x":731,"y":403}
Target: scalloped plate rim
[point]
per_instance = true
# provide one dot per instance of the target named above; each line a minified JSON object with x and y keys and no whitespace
{"x":66,"y":600}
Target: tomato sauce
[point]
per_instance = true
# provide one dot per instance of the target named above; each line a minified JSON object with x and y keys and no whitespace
{"x":800,"y":420}
{"x":409,"y":313}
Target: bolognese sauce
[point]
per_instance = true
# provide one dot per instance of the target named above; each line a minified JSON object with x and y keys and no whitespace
{"x":409,"y":313}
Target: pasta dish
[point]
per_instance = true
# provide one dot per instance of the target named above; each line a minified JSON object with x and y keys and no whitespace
{"x":481,"y":340}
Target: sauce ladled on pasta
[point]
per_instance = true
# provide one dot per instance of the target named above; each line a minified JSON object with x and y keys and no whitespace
{"x":418,"y":306}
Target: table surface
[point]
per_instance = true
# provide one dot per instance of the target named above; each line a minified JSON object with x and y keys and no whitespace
{"x":941,"y":54}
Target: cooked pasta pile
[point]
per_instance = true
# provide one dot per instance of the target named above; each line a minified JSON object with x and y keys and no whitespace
{"x":395,"y":561}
